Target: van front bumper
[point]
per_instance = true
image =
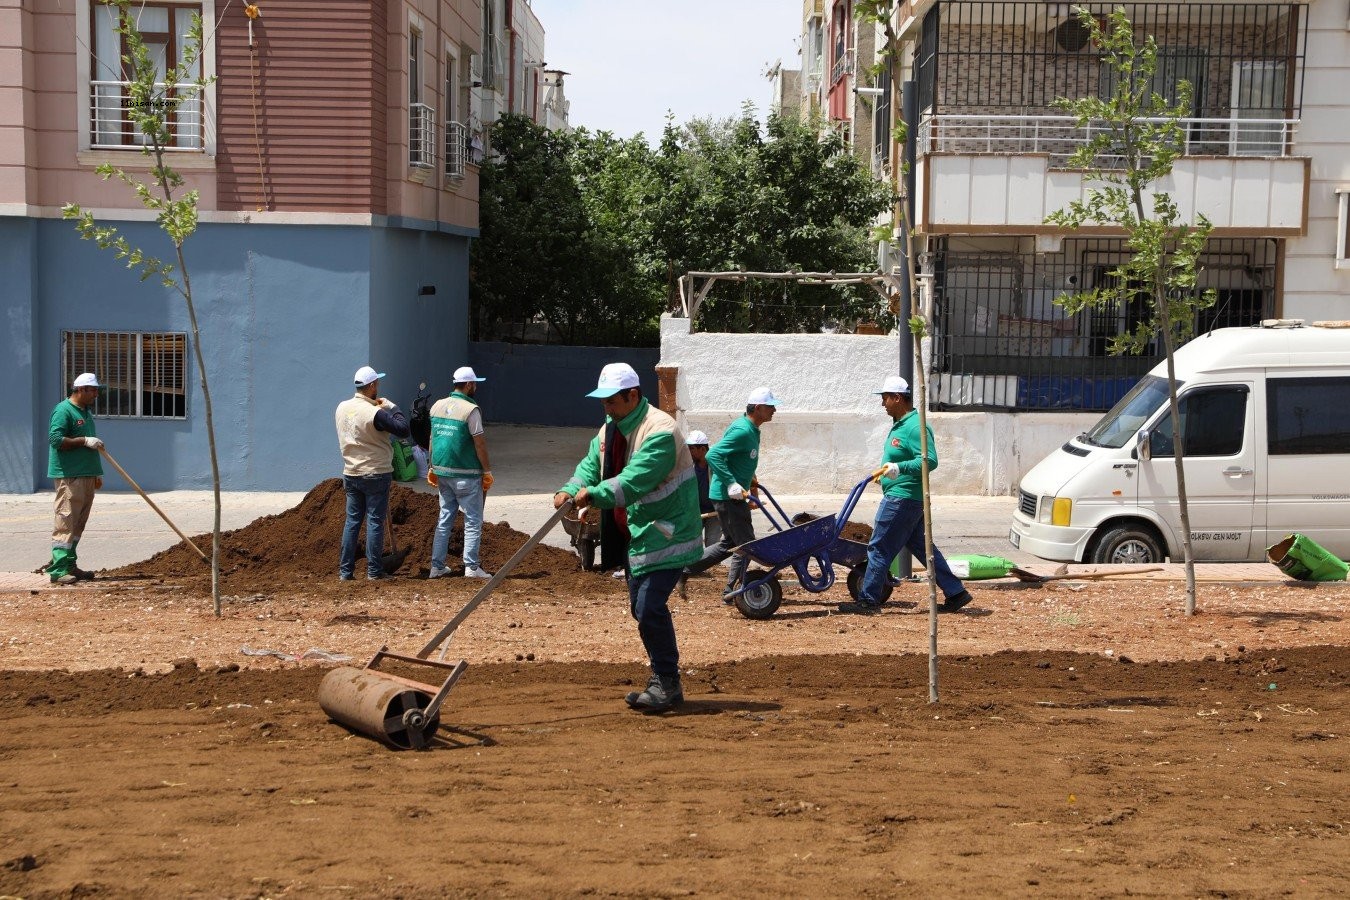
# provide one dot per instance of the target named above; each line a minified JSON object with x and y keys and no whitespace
{"x":1058,"y":542}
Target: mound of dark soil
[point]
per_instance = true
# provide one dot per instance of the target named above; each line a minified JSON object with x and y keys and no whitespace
{"x":304,"y":541}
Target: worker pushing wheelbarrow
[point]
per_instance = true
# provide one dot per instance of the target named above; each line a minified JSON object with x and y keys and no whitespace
{"x":811,"y":549}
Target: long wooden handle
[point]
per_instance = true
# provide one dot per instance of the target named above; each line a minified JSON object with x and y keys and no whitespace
{"x":146,"y":497}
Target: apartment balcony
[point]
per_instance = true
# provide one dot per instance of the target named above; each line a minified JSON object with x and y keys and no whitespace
{"x":994,"y":146}
{"x":456,"y":149}
{"x":421,"y":136}
{"x":1006,"y":174}
{"x":111,"y":126}
{"x":842,"y":66}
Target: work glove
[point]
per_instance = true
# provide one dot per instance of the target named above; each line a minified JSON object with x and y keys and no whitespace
{"x":93,"y":443}
{"x":432,"y":479}
{"x":487,"y":481}
{"x":890,"y":470}
{"x":735,"y":492}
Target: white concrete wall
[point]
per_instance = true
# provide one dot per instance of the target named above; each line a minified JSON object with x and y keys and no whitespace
{"x":1313,"y":287}
{"x":829,"y":428}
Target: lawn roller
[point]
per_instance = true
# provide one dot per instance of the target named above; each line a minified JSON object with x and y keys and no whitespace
{"x":399,"y":711}
{"x":798,"y":546}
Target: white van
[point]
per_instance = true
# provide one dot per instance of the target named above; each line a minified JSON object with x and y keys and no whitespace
{"x":1267,"y":453}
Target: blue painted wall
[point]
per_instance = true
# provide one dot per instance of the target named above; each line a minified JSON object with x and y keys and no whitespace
{"x":532,"y":384}
{"x":18,"y":262}
{"x":287,"y":313}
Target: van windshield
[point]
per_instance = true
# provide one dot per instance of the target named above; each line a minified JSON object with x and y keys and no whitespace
{"x":1125,"y":419}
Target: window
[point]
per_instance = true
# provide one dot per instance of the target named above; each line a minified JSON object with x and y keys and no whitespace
{"x":1308,"y":415}
{"x":143,"y":374}
{"x":1215,"y":422}
{"x":454,"y":128}
{"x":164,"y":28}
{"x":1343,"y":227}
{"x":1258,"y":93}
{"x":421,"y":117}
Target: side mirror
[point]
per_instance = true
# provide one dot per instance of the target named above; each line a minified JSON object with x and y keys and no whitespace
{"x":1143,"y":444}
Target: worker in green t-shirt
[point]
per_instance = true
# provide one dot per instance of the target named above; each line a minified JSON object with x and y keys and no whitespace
{"x":733,"y":463}
{"x":74,"y":465}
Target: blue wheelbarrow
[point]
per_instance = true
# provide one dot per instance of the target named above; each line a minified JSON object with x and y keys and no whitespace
{"x":811,"y":549}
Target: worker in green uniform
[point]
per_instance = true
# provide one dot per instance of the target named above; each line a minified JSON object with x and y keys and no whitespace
{"x":74,"y":465}
{"x":733,"y":463}
{"x":639,"y":474}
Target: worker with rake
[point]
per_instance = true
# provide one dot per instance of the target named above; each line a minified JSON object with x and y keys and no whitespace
{"x":75,"y":468}
{"x":899,"y":521}
{"x":638,"y":472}
{"x":733,"y":463}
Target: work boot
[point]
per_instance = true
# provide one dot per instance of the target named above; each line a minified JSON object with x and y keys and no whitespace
{"x":67,"y":578}
{"x":663,"y":692}
{"x":82,"y":574}
{"x":956,"y":601}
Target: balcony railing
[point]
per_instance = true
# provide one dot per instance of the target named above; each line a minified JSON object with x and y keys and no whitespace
{"x":842,"y":66}
{"x":456,"y":149}
{"x":421,"y":135}
{"x":1059,"y":136}
{"x":111,"y":125}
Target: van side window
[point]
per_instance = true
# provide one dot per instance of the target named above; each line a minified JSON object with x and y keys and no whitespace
{"x":1215,"y":420}
{"x":1308,"y":415}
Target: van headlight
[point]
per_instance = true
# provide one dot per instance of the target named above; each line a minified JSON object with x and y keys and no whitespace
{"x":1054,"y":510}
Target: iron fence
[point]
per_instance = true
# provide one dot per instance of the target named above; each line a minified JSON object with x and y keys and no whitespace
{"x":1002,"y":341}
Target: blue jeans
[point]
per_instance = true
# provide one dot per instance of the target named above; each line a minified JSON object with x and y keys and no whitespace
{"x":648,"y":600}
{"x":899,"y":523}
{"x":368,"y":497}
{"x":457,"y":494}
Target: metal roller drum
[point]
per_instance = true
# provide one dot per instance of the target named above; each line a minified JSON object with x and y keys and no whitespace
{"x":382,"y":706}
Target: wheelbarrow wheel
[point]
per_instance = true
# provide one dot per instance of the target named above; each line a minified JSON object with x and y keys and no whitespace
{"x":586,"y":550}
{"x":855,"y":580}
{"x":760,"y":602}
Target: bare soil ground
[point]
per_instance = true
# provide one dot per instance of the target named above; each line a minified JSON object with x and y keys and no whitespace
{"x":1090,"y":740}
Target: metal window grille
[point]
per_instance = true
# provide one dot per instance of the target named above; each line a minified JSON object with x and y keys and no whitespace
{"x":111,"y":125}
{"x":1244,"y":60}
{"x":143,"y":373}
{"x":421,"y":135}
{"x":456,"y":149}
{"x":1001,"y":341}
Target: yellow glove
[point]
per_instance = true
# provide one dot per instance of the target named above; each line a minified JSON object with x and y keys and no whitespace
{"x":487,"y":481}
{"x":432,"y":479}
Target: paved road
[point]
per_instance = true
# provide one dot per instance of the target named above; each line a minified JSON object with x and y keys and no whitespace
{"x":529,"y":463}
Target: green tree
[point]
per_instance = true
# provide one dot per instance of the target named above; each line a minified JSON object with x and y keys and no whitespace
{"x":787,"y":195}
{"x":152,"y":102}
{"x":1135,"y":138}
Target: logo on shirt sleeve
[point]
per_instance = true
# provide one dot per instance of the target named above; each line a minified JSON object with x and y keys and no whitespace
{"x":895,"y":442}
{"x":754,"y":454}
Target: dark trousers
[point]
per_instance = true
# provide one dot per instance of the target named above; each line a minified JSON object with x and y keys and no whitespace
{"x":649,"y":602}
{"x":737,"y":529}
{"x":899,"y":523}
{"x":367,"y":497}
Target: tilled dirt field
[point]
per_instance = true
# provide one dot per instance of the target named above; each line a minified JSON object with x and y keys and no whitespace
{"x":1089,"y":741}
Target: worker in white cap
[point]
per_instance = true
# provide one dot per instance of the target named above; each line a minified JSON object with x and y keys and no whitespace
{"x":460,"y":469}
{"x":712,"y":529}
{"x":364,"y":426}
{"x":640,"y":476}
{"x":733,"y":462}
{"x":76,"y":470}
{"x":899,"y":521}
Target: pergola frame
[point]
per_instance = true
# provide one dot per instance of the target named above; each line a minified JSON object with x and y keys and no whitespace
{"x":694,"y":286}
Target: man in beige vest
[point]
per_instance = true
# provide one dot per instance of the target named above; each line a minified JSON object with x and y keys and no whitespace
{"x":364,"y":426}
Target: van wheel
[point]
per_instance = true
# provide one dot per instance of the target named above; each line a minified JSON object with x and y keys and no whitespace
{"x":1129,"y":545}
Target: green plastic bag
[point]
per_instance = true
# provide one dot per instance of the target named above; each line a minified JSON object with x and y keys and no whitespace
{"x":971,"y":566}
{"x":405,"y":463}
{"x":1302,"y":558}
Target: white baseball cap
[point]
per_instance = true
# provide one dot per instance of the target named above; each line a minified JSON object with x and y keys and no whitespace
{"x":615,"y":377}
{"x":697,"y":438}
{"x":893,"y":384}
{"x":87,"y":379}
{"x":762,"y":396}
{"x":465,"y":374}
{"x":365,"y":375}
